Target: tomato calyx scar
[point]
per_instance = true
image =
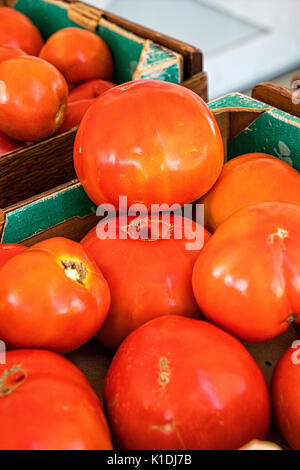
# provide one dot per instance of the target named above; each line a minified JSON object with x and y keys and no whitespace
{"x":74,"y":270}
{"x":281,"y":234}
{"x":164,"y":372}
{"x":292,"y":318}
{"x":11,"y":379}
{"x":148,"y":229}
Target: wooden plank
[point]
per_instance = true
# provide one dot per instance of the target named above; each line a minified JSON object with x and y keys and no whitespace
{"x":278,"y":96}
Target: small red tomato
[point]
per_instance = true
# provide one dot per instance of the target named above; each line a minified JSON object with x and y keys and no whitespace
{"x":7,"y":144}
{"x":46,"y":403}
{"x":9,"y":52}
{"x":18,"y":31}
{"x":89,"y":90}
{"x":247,"y":277}
{"x":9,"y":250}
{"x":53,"y":296}
{"x":33,"y":97}
{"x":148,"y":277}
{"x":285,"y":394}
{"x":154,"y":142}
{"x":79,"y":54}
{"x":74,"y":113}
{"x":179,"y":383}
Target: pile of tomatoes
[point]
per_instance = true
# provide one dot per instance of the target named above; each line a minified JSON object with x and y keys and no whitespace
{"x":45,"y":88}
{"x":175,"y":311}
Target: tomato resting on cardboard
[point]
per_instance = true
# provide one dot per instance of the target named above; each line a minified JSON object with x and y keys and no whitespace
{"x":179,"y":383}
{"x":149,"y":275}
{"x":247,"y":277}
{"x":247,"y":180}
{"x":46,"y":403}
{"x":53,"y":296}
{"x":152,"y":141}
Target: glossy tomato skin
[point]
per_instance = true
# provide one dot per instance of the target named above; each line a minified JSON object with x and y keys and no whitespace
{"x":89,"y":90}
{"x":248,"y":180}
{"x":10,"y":52}
{"x":75,"y":111}
{"x":53,"y":296}
{"x":180,"y":383}
{"x":33,"y":97}
{"x":9,"y":250}
{"x":7,"y":144}
{"x":285,"y":395}
{"x":79,"y":54}
{"x":46,"y":403}
{"x":152,"y":141}
{"x":18,"y":31}
{"x":247,"y":277}
{"x":147,"y":278}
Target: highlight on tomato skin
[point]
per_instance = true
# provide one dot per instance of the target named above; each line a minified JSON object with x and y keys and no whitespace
{"x":247,"y":277}
{"x":148,"y":276}
{"x":247,"y":180}
{"x":46,"y":403}
{"x":53,"y":296}
{"x":154,"y":142}
{"x":179,"y":383}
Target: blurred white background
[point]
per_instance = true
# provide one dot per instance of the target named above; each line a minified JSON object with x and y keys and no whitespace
{"x":244,"y":41}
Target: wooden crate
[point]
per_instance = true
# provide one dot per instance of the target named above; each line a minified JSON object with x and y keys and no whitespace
{"x":47,"y":164}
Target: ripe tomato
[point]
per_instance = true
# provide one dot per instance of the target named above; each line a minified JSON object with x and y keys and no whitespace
{"x":89,"y":90}
{"x":79,"y":54}
{"x":53,"y":296}
{"x":148,"y":277}
{"x":152,"y":141}
{"x":9,"y":250}
{"x":18,"y":31}
{"x":46,"y":403}
{"x":179,"y":383}
{"x":247,"y":277}
{"x":247,"y":180}
{"x":33,"y":96}
{"x":9,"y":52}
{"x":74,"y":113}
{"x":7,"y":144}
{"x":285,"y":394}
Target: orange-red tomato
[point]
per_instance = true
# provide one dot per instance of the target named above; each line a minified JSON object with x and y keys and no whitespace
{"x":9,"y":250}
{"x":7,"y":144}
{"x":33,"y":96}
{"x":74,"y":113}
{"x":9,"y":52}
{"x":18,"y":31}
{"x":179,"y":383}
{"x":89,"y":90}
{"x":148,"y":277}
{"x":79,"y":54}
{"x":152,"y":141}
{"x":247,"y":180}
{"x":285,"y":394}
{"x":53,"y":296}
{"x":247,"y":277}
{"x":46,"y":403}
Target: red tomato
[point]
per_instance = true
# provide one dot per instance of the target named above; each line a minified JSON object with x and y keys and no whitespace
{"x":46,"y":403}
{"x":89,"y":90}
{"x":285,"y":394}
{"x":33,"y":97}
{"x":152,"y":141}
{"x":147,"y":277}
{"x":18,"y":31}
{"x":53,"y":296}
{"x":179,"y":383}
{"x":9,"y":250}
{"x":79,"y":54}
{"x":247,"y":277}
{"x":9,"y":52}
{"x":7,"y":144}
{"x":74,"y":113}
{"x":247,"y":180}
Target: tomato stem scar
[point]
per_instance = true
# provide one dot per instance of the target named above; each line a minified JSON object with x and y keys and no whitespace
{"x":75,"y":270}
{"x":164,"y":374}
{"x":11,"y":379}
{"x":292,"y":318}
